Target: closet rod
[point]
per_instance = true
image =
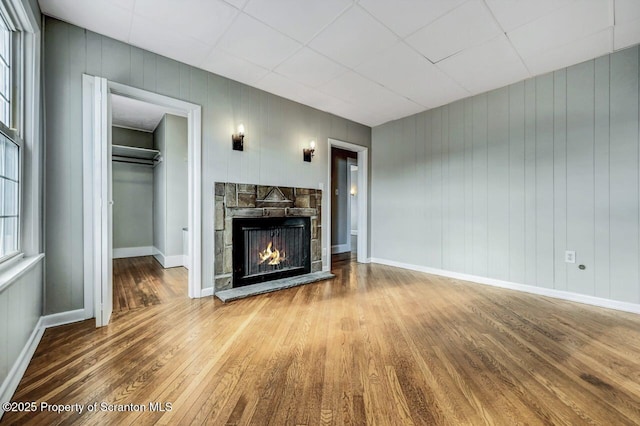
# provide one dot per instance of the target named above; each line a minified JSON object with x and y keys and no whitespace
{"x":140,"y":161}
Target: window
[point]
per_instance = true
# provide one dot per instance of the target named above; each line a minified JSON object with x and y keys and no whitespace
{"x":10,"y":144}
{"x":9,"y":194}
{"x":5,"y":73}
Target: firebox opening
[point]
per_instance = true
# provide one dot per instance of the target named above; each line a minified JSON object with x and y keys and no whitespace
{"x":266,"y":249}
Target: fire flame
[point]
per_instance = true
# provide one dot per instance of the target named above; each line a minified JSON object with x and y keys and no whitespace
{"x":272,"y":257}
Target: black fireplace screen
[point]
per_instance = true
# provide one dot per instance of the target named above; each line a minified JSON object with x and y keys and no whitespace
{"x":266,"y":249}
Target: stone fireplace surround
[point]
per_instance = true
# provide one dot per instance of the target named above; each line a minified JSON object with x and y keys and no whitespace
{"x":252,"y":201}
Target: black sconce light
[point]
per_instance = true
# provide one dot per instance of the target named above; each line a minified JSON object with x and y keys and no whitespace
{"x":307,"y":153}
{"x":238,"y":139}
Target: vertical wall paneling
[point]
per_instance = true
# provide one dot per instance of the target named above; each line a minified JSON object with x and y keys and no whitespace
{"x":624,"y":175}
{"x":517,"y":201}
{"x":560,"y":177}
{"x":530,"y":181}
{"x":480,"y":190}
{"x":580,"y":140}
{"x":468,"y":186}
{"x":601,"y":179}
{"x":456,"y":213}
{"x":498,"y":182}
{"x":276,"y":128}
{"x":521,"y":174}
{"x":436,"y":205}
{"x":544,"y":181}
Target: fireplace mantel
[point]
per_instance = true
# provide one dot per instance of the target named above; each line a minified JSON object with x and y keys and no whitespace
{"x":236,"y":200}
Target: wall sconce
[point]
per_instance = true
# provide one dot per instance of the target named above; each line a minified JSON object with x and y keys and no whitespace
{"x":238,"y":139}
{"x":353,"y":191}
{"x":307,"y":153}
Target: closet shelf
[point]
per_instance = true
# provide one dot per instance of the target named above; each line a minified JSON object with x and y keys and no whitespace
{"x":124,"y":153}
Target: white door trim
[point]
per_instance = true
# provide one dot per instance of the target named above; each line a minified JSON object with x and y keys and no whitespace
{"x":363,"y":191}
{"x":193,"y":113}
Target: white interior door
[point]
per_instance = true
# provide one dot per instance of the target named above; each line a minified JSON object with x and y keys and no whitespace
{"x":104,"y":205}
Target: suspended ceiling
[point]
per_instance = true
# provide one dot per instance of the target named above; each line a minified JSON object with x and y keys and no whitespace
{"x":371,"y":61}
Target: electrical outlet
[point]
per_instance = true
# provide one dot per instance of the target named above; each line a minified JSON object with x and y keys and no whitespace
{"x":570,"y":256}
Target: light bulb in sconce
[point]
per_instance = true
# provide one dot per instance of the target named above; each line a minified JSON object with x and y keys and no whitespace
{"x":307,"y":153}
{"x":238,"y":139}
{"x":353,"y":191}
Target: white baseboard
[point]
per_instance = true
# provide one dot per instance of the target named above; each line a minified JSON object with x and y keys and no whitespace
{"x":119,"y":253}
{"x":63,"y":318}
{"x":185,"y":261}
{"x":340,"y":248}
{"x":354,"y":232}
{"x":14,"y":376}
{"x":541,"y":291}
{"x":168,"y":261}
{"x":11,"y":382}
{"x":206,"y":292}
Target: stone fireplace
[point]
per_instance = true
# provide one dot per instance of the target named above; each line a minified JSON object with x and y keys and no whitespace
{"x":264,"y":233}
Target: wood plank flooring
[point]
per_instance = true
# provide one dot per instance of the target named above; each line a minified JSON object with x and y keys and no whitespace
{"x":376,"y":345}
{"x":142,"y":281}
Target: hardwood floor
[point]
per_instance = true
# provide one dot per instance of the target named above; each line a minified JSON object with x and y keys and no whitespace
{"x":142,"y":281}
{"x":376,"y":345}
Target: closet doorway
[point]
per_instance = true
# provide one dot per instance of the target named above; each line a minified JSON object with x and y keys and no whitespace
{"x":150,"y":218}
{"x":98,"y":201}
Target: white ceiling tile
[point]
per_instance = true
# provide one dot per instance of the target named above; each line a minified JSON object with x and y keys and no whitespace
{"x":489,"y":66}
{"x":626,"y":34}
{"x":102,"y":16}
{"x":302,"y":20}
{"x":256,"y":42}
{"x":577,"y":20}
{"x":167,"y":42}
{"x":353,"y":38}
{"x":408,"y":73}
{"x":573,"y":53}
{"x":204,"y":20}
{"x":364,"y":93}
{"x":511,"y":14}
{"x":310,"y":68}
{"x":225,"y":64}
{"x":406,"y":16}
{"x":463,"y":27}
{"x":627,"y":11}
{"x":281,"y":86}
{"x":237,"y":3}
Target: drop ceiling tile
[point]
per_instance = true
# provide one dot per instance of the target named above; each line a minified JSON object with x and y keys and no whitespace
{"x":353,"y":38}
{"x":570,"y":54}
{"x":411,"y":75}
{"x":468,"y":25}
{"x":406,"y":16}
{"x":627,"y":11}
{"x":489,"y":66}
{"x":102,"y":17}
{"x":256,"y":42}
{"x":167,"y":42}
{"x":302,"y":20}
{"x":570,"y":23}
{"x":203,"y":20}
{"x":364,"y":93}
{"x":310,"y":68}
{"x":512,"y":14}
{"x":626,"y":34}
{"x":230,"y":66}
{"x":237,"y":3}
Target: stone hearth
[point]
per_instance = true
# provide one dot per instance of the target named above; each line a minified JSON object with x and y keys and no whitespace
{"x":237,"y":200}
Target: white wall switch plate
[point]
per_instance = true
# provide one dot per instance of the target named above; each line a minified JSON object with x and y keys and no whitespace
{"x":570,"y":256}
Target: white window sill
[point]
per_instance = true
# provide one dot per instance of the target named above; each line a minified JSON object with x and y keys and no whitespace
{"x":16,"y":268}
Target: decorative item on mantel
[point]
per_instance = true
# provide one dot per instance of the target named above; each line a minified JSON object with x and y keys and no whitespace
{"x":308,"y":153}
{"x":238,"y":139}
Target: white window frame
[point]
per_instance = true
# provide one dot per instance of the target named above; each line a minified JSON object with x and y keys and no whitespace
{"x":25,"y":130}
